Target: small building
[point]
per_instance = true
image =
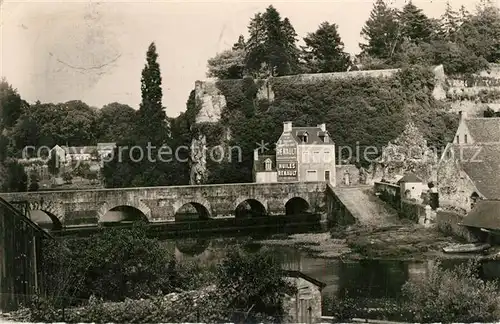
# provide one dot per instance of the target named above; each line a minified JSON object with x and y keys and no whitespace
{"x":305,"y":154}
{"x":80,"y":153}
{"x":104,"y":150}
{"x":411,"y":186}
{"x":306,"y":305}
{"x":469,"y":167}
{"x":346,"y":175}
{"x":60,"y":154}
{"x":484,"y":221}
{"x":264,"y":168}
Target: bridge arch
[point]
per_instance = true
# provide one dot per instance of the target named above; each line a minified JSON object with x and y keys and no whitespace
{"x":46,"y":214}
{"x":45,"y":219}
{"x":297,"y":206}
{"x":249,"y":207}
{"x":123,"y":214}
{"x":191,"y":210}
{"x":133,"y":211}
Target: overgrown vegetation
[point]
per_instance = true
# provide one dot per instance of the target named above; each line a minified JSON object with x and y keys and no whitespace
{"x":121,"y":274}
{"x":442,"y":295}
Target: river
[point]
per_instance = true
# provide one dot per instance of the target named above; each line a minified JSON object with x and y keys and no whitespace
{"x":367,"y":281}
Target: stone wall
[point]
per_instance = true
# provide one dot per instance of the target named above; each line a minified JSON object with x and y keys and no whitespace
{"x":412,"y":210}
{"x":448,"y":223}
{"x":338,"y":214}
{"x":389,"y":193}
{"x":454,"y":185}
{"x":351,"y":169}
{"x":308,"y":295}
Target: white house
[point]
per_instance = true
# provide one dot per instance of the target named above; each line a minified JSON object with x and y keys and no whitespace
{"x":105,"y":149}
{"x":411,"y":186}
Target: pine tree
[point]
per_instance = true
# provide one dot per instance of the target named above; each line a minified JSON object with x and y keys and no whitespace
{"x":380,"y":31}
{"x":152,"y":125}
{"x":271,"y":44}
{"x":324,"y":50}
{"x":240,"y":44}
{"x":450,"y":23}
{"x":415,"y":26}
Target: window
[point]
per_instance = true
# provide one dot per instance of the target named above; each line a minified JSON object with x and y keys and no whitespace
{"x":327,"y":175}
{"x":465,"y":139}
{"x":305,"y":157}
{"x":326,"y":157}
{"x":304,"y":138}
{"x":311,"y":175}
{"x":268,"y":164}
{"x":316,"y":157}
{"x":458,"y":139}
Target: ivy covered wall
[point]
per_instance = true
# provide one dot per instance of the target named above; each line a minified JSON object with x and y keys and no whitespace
{"x":360,"y":111}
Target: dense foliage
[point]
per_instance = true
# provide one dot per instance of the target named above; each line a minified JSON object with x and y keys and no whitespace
{"x":452,"y":296}
{"x":103,"y":278}
{"x":358,"y":112}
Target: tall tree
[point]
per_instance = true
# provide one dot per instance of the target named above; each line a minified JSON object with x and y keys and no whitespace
{"x":450,"y":23}
{"x":324,"y":50}
{"x":415,"y":26}
{"x":10,"y":105}
{"x":240,"y":44}
{"x":272,"y":44}
{"x":380,"y":31}
{"x":114,"y":121}
{"x":152,"y":125}
{"x":229,"y":64}
{"x":481,"y":32}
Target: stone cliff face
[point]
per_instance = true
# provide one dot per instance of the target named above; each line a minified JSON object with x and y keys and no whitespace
{"x":471,"y":94}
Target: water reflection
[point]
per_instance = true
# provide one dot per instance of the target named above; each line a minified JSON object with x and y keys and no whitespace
{"x":367,"y":281}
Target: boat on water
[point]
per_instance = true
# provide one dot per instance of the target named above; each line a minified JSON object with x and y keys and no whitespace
{"x":466,"y":248}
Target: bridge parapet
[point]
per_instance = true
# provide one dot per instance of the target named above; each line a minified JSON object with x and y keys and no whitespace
{"x":160,"y":204}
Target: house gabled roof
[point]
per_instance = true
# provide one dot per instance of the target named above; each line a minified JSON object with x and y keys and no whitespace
{"x":300,"y":274}
{"x":485,"y":214}
{"x":313,"y":135}
{"x":484,"y":130}
{"x":481,"y":162}
{"x":106,"y":146}
{"x":79,"y":149}
{"x":410,"y":177}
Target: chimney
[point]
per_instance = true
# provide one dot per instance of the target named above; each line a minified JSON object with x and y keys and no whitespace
{"x":256,"y":154}
{"x":287,"y":127}
{"x":322,"y":127}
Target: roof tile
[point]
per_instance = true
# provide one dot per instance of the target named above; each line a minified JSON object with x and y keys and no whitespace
{"x":484,"y":130}
{"x":481,"y":162}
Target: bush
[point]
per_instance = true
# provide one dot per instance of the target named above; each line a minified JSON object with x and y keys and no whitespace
{"x":457,"y":295}
{"x":254,"y":284}
{"x":114,"y":264}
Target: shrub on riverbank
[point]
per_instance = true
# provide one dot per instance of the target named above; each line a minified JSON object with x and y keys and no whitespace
{"x":127,"y":277}
{"x":456,"y":295}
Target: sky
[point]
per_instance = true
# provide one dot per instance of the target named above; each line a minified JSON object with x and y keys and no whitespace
{"x":95,"y":51}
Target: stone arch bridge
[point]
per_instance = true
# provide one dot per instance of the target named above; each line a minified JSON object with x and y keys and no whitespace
{"x":161,"y":204}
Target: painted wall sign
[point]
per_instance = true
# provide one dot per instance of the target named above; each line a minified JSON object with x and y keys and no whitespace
{"x":286,"y":148}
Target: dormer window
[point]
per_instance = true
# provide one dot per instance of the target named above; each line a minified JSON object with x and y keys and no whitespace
{"x":268,"y":165}
{"x":324,"y":137}
{"x":304,"y":138}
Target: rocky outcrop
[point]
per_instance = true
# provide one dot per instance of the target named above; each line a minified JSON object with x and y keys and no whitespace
{"x":198,"y":155}
{"x":407,"y":153}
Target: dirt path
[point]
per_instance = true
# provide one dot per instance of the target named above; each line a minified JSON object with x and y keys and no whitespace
{"x":366,"y":207}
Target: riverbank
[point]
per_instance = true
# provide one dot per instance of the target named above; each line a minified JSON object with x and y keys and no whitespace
{"x":406,"y":241}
